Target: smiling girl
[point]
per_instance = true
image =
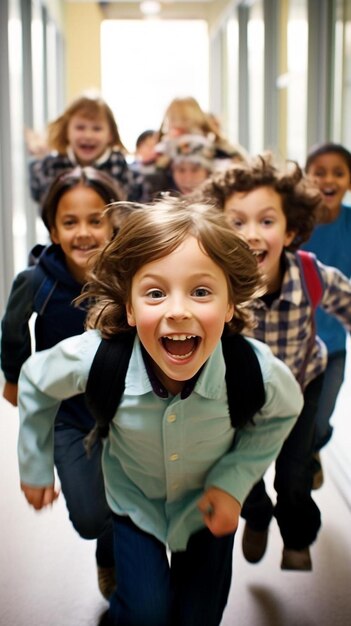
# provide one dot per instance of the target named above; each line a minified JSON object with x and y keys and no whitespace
{"x":85,"y":134}
{"x":74,"y":215}
{"x":176,"y":470}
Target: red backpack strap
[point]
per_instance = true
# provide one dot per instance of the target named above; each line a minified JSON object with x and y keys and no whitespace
{"x":312,"y":281}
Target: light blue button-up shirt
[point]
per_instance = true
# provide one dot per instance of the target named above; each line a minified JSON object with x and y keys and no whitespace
{"x":161,"y":453}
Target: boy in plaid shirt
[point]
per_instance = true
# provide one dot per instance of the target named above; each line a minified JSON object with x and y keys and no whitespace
{"x":275,"y":211}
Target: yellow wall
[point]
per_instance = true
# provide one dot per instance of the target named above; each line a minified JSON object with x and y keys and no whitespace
{"x":82,"y":53}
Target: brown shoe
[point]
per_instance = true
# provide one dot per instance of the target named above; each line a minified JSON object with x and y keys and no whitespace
{"x":254,"y":544}
{"x":298,"y":560}
{"x":318,"y":476}
{"x":106,"y":581}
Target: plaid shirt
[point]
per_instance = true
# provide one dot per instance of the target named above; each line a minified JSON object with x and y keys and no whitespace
{"x":43,"y":172}
{"x":287,"y":326}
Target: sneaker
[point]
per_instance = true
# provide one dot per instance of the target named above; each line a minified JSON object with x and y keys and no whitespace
{"x":254,"y":544}
{"x":106,"y":581}
{"x":298,"y":560}
{"x":318,"y":476}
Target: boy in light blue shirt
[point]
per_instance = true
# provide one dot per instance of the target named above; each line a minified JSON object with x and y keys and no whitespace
{"x":176,"y":470}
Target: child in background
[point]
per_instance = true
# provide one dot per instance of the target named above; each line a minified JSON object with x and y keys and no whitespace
{"x":187,"y":161}
{"x":175,"y":469}
{"x":275,"y":211}
{"x":73,"y":212}
{"x":85,"y":134}
{"x":185,"y":116}
{"x":145,"y":153}
{"x":329,"y":164}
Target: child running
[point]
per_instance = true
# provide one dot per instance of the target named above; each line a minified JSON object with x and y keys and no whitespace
{"x":86,"y":134}
{"x":74,"y":215}
{"x":329,"y":164}
{"x":275,"y":210}
{"x":176,"y":470}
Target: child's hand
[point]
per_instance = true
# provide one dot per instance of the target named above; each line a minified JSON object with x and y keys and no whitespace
{"x":220,"y":511}
{"x":10,"y":392}
{"x":38,"y":497}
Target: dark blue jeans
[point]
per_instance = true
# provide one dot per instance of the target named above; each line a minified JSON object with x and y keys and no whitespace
{"x":191,"y":591}
{"x":297,"y":514}
{"x":333,"y":379}
{"x":82,"y":485}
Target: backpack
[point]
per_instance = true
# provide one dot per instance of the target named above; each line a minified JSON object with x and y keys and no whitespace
{"x":106,"y":381}
{"x":43,"y":285}
{"x":313,"y":287}
{"x":311,"y":278}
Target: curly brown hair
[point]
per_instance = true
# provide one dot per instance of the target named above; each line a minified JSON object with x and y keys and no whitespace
{"x":302,"y":202}
{"x":154,"y":231}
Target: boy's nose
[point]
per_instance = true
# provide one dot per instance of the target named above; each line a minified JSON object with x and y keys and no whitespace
{"x":250,"y":231}
{"x":178,"y":309}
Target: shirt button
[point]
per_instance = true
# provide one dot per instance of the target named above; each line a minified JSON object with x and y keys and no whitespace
{"x":171,"y":418}
{"x":174,"y":457}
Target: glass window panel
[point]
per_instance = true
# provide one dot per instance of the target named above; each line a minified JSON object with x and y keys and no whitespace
{"x":256,"y":77}
{"x":297,"y":80}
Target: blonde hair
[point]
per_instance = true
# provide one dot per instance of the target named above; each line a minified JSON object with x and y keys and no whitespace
{"x":196,"y":121}
{"x":90,"y":107}
{"x":154,"y":231}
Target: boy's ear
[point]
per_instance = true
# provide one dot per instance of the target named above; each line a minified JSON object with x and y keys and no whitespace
{"x":130,"y":315}
{"x":289,"y":237}
{"x":229,"y":313}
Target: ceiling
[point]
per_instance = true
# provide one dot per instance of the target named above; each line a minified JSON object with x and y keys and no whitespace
{"x":169,"y":9}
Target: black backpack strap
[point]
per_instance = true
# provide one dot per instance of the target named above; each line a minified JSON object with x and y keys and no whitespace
{"x":43,"y":288}
{"x":106,"y":382}
{"x":245,"y":388}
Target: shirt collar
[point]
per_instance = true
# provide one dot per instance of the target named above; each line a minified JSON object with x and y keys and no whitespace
{"x":208,"y":382}
{"x":105,"y":155}
{"x":291,"y":288}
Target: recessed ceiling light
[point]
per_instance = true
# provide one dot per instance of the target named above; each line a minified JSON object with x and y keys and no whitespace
{"x":150,"y":7}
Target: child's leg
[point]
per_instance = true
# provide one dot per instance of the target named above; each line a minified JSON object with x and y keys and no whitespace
{"x":257,"y":511}
{"x":83,"y":487}
{"x":297,"y":514}
{"x":333,"y":379}
{"x":200,"y":579}
{"x":142,"y":595}
{"x":258,"y":508}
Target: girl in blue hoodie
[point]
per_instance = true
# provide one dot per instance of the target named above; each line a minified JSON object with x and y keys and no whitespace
{"x":73,"y":212}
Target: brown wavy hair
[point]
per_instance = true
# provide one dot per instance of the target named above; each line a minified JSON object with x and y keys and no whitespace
{"x":302,"y":202}
{"x":152,"y":232}
{"x":87,"y":106}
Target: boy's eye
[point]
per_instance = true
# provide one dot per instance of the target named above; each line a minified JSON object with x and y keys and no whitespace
{"x":267,"y":221}
{"x":201,"y":292}
{"x":155,"y":294}
{"x":236,"y":223}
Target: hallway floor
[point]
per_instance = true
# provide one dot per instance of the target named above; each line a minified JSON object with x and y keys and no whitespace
{"x":48,"y":578}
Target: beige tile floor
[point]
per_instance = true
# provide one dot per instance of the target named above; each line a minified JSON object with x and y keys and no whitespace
{"x":47,"y":573}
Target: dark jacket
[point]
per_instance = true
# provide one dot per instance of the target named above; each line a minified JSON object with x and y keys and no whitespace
{"x":48,"y":289}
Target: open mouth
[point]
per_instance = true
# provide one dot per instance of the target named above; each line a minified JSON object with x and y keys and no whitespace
{"x":259,"y":255}
{"x":329,"y":193}
{"x":180,"y":346}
